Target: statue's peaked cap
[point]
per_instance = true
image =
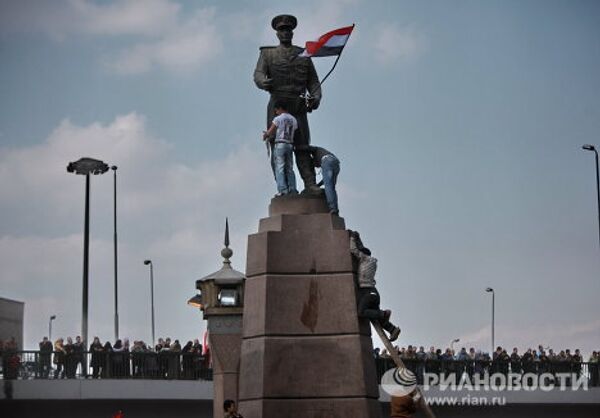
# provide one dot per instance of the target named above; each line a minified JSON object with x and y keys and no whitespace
{"x":284,"y":20}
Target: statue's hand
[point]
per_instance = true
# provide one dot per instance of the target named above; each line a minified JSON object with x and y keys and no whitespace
{"x":267,"y":83}
{"x":313,"y":104}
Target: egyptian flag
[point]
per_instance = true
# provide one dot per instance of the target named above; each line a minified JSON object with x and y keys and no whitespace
{"x":330,"y":44}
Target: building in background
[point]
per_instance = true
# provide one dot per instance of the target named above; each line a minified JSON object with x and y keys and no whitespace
{"x":11,"y":320}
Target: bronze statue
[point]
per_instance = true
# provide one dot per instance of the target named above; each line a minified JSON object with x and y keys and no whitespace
{"x":289,"y":77}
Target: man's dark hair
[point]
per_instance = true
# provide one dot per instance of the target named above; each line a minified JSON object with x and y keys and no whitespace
{"x":227,"y":404}
{"x":279,"y":104}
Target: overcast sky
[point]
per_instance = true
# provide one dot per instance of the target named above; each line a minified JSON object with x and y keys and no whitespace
{"x":459,"y":125}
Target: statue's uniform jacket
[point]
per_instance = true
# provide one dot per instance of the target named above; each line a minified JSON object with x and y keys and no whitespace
{"x":291,"y":76}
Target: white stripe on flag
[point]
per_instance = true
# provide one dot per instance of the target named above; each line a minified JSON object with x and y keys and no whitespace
{"x":337,"y":40}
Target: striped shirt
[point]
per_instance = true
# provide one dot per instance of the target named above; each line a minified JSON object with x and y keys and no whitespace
{"x":367,"y":266}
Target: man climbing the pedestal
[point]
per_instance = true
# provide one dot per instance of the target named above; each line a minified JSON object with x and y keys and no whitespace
{"x":330,"y":168}
{"x":280,"y":135}
{"x":368,"y":296}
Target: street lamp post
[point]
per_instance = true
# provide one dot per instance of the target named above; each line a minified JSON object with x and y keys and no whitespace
{"x":589,"y":147}
{"x":52,"y":318}
{"x":86,"y":167}
{"x":149,"y":262}
{"x":114,"y":169}
{"x":490,"y":290}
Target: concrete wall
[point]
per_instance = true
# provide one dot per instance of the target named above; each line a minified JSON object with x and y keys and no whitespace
{"x":131,"y":389}
{"x":11,"y":320}
{"x":81,"y":389}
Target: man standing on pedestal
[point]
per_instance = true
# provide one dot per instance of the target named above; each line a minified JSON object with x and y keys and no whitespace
{"x":288,"y":78}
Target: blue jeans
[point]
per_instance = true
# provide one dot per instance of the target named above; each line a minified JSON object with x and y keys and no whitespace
{"x":283,"y":167}
{"x":330,"y":168}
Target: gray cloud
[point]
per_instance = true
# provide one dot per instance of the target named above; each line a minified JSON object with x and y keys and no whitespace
{"x":170,"y":212}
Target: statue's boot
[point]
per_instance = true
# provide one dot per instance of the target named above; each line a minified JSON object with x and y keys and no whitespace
{"x":313,"y":189}
{"x":307,"y":172}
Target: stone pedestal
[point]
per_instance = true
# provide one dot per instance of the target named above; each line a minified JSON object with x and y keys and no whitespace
{"x":304,"y":352}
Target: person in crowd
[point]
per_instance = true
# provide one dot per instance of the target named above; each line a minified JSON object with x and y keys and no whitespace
{"x":470,"y":362}
{"x":515,"y":361}
{"x":11,"y":361}
{"x":197,"y":346}
{"x":503,"y":361}
{"x":174,"y":360}
{"x":78,"y":353}
{"x":539,"y":349}
{"x":198,"y":359}
{"x":45,"y":358}
{"x":59,"y":358}
{"x":368,"y":296}
{"x":96,"y":351}
{"x":527,"y":361}
{"x":230,"y":409}
{"x":462,"y":361}
{"x":106,"y":360}
{"x":138,"y":353}
{"x":159,"y":345}
{"x":432,"y":364}
{"x":119,"y":359}
{"x":420,"y":359}
{"x":70,"y":363}
{"x":126,"y":357}
{"x":576,"y":361}
{"x":164,"y":357}
{"x":482,"y":361}
{"x":187,"y":359}
{"x":376,"y":353}
{"x":594,"y":361}
{"x":151,"y":363}
{"x":448,"y":365}
{"x":544,"y":364}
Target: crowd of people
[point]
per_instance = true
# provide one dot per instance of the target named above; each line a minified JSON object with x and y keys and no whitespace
{"x":170,"y":360}
{"x":538,"y":361}
{"x":71,"y":358}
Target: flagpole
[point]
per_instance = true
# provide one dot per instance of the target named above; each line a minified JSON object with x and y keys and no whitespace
{"x":332,"y":68}
{"x":336,"y":61}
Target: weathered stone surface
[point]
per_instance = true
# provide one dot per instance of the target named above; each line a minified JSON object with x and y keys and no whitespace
{"x":225,"y":351}
{"x":309,"y":367}
{"x":298,"y":205}
{"x":230,"y":324}
{"x":301,"y":304}
{"x":293,"y":222}
{"x":304,"y":351}
{"x":305,"y":246}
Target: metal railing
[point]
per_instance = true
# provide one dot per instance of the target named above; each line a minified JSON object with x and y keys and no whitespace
{"x":192,"y":366}
{"x":104,"y":365}
{"x":456,"y":369}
